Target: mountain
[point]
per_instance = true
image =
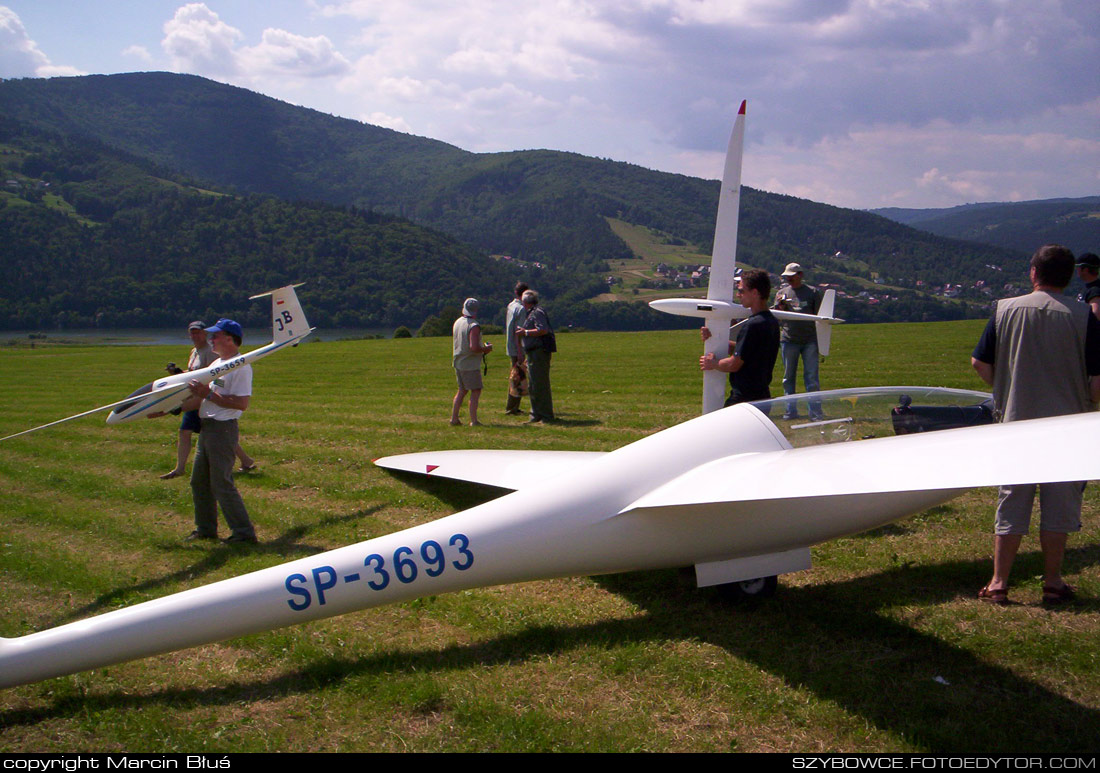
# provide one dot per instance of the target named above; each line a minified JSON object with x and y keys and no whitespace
{"x":552,"y":207}
{"x":94,"y":237}
{"x":1021,"y":225}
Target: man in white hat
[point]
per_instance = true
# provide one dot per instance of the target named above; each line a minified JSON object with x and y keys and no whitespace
{"x":798,"y":339}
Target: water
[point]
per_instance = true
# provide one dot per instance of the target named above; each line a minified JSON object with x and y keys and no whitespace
{"x":169,"y":337}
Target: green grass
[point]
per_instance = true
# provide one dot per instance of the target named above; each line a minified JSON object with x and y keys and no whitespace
{"x":880,"y":647}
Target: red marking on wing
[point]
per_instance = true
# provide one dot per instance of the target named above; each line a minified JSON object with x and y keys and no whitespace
{"x":742,"y":110}
{"x":431,"y":467}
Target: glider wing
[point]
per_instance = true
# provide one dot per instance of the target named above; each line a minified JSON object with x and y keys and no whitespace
{"x":1040,"y":450}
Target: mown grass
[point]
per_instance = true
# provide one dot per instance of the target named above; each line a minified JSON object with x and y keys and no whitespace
{"x":880,"y":647}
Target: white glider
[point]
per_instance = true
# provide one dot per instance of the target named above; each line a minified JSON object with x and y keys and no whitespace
{"x":719,"y":308}
{"x":288,"y":327}
{"x":705,"y":493}
{"x":737,"y":494}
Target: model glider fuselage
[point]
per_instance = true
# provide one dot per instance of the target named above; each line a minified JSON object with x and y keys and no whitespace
{"x":288,"y":327}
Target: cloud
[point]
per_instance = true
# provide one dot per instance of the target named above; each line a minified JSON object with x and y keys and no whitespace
{"x":938,"y":164}
{"x":199,"y":42}
{"x":139,"y":52}
{"x":20,"y":56}
{"x":284,"y":53}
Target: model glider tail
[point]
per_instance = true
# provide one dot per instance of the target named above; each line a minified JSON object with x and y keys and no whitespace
{"x":288,"y":321}
{"x":825,"y":326}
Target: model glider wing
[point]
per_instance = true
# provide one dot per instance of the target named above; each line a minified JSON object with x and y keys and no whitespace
{"x":1035,"y":451}
{"x":503,"y":469}
{"x":139,"y":394}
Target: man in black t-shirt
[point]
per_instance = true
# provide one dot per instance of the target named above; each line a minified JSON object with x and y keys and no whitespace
{"x":753,"y":354}
{"x":1088,"y":268}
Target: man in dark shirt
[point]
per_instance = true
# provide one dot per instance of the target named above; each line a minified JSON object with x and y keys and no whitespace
{"x":1088,"y":268}
{"x":753,"y":354}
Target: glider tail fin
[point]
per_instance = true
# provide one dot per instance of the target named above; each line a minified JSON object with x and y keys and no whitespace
{"x":288,"y":321}
{"x":825,"y":329}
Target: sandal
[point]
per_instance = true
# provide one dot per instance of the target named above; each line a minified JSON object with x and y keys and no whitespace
{"x":1052,"y":595}
{"x":990,"y":596}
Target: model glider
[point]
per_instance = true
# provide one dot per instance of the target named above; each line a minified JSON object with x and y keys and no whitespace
{"x":719,"y":308}
{"x":736,"y":493}
{"x":288,"y":327}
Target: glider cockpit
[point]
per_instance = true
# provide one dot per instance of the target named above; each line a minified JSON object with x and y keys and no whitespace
{"x":839,"y":416}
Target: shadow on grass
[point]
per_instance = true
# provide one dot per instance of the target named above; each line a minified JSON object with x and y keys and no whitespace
{"x":286,"y":545}
{"x":459,"y":494}
{"x":828,"y":639}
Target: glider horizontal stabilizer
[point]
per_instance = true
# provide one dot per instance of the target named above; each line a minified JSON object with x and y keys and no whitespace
{"x":504,"y":469}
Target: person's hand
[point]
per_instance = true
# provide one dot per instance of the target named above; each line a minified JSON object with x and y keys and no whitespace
{"x":199,"y":389}
{"x":708,"y":361}
{"x":704,"y":332}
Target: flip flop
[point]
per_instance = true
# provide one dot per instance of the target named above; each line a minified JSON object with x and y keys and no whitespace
{"x":999,"y":596}
{"x":1052,"y":595}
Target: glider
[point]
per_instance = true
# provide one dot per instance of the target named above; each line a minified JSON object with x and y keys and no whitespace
{"x":288,"y":327}
{"x":719,"y":309}
{"x":737,"y":494}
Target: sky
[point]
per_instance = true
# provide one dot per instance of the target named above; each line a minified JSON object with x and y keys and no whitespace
{"x":856,"y":103}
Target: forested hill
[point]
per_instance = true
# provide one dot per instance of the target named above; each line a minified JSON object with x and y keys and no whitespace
{"x":535,"y":205}
{"x":90,"y":236}
{"x":1020,"y":225}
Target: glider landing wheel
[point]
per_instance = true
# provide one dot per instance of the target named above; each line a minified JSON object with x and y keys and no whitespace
{"x":759,"y":588}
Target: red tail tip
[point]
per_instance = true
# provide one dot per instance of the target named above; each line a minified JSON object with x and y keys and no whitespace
{"x":742,"y":110}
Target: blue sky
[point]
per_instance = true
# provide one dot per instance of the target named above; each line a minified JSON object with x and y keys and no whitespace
{"x":858,"y":103}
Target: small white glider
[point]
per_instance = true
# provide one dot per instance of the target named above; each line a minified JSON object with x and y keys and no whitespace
{"x":288,"y":327}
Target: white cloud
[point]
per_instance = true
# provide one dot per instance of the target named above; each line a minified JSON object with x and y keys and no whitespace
{"x":20,"y":56}
{"x":138,"y":52}
{"x":939,"y":164}
{"x":386,"y":121}
{"x":198,"y":41}
{"x":284,"y":53}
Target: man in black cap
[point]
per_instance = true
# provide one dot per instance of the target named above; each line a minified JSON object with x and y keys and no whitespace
{"x":1088,"y":268}
{"x":220,"y":404}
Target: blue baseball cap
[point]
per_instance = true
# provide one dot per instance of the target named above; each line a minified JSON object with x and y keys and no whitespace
{"x":227,"y":326}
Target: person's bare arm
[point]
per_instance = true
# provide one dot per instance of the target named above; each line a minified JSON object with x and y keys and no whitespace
{"x":984,"y":369}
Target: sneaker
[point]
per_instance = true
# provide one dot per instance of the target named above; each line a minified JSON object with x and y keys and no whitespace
{"x":197,"y":535}
{"x":234,"y":539}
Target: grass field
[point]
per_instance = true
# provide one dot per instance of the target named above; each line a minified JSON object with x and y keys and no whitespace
{"x":880,"y":647}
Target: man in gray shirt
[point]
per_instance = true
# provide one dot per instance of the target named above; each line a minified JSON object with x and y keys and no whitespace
{"x":798,"y":339}
{"x":512,"y":320}
{"x":1041,"y":354}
